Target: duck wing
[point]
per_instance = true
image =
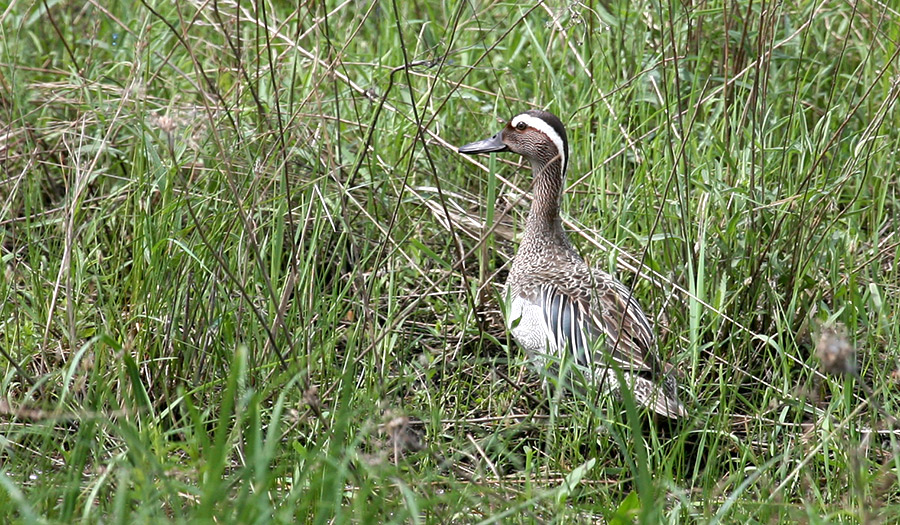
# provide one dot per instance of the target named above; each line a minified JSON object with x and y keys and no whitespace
{"x":577,"y":317}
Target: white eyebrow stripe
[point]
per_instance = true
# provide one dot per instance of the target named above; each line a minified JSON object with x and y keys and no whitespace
{"x":542,"y":126}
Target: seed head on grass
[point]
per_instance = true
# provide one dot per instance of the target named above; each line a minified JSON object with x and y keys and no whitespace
{"x":166,"y":123}
{"x":402,"y":437}
{"x":835,"y":352}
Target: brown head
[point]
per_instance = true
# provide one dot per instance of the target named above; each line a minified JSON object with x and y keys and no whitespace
{"x":537,"y":135}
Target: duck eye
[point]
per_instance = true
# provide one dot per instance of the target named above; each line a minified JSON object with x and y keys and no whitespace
{"x":521,"y":126}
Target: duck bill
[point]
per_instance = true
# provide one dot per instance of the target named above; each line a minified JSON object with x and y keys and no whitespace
{"x":490,"y":145}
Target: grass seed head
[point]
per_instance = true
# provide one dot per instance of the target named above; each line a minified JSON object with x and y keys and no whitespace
{"x":835,"y":352}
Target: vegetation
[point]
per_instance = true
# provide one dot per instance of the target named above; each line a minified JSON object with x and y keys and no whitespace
{"x":248,"y":279}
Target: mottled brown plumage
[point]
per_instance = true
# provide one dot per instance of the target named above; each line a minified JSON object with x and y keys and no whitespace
{"x":557,"y":304}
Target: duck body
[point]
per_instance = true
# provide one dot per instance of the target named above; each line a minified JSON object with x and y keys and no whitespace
{"x":559,"y":307}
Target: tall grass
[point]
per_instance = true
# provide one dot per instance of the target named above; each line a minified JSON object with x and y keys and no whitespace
{"x":248,"y":279}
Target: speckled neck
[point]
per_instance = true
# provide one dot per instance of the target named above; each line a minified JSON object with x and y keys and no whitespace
{"x":544,"y":222}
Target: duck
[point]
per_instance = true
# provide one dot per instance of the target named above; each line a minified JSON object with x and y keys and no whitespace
{"x":557,"y":306}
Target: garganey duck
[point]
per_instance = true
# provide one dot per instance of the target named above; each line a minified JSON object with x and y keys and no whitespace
{"x":555,"y":302}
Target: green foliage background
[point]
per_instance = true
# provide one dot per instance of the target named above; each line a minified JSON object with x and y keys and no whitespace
{"x":248,"y":279}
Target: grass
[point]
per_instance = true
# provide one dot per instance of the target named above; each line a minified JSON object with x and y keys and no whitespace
{"x":248,"y":279}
